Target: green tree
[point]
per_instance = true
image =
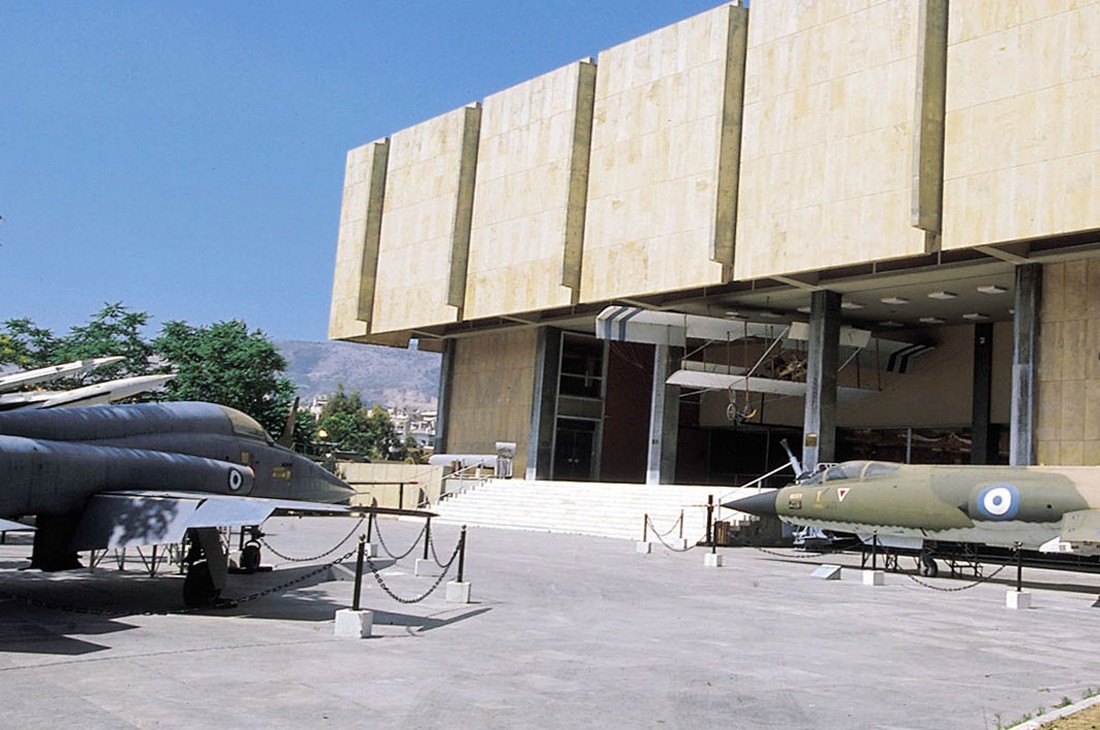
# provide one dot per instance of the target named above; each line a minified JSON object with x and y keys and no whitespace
{"x":113,"y":330}
{"x":26,"y":345}
{"x":225,"y":363}
{"x":347,"y":422}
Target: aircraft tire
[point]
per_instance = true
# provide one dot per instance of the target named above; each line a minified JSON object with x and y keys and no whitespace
{"x":250,"y":558}
{"x":198,"y":586}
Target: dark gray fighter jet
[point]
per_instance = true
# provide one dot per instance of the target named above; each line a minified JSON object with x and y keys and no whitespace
{"x":114,"y":476}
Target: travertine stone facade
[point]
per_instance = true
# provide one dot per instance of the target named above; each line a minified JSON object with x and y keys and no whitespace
{"x":1068,"y":430}
{"x":529,"y":196}
{"x":353,"y":283}
{"x":1022,"y":141}
{"x":826,"y":157}
{"x":492,"y":392}
{"x":425,"y":230}
{"x":664,"y":143}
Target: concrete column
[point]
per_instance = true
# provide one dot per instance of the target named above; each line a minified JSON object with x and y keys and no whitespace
{"x":446,"y":380}
{"x":664,"y":419}
{"x":980,"y":432}
{"x":819,"y":421}
{"x":1025,"y":355}
{"x":540,"y":446}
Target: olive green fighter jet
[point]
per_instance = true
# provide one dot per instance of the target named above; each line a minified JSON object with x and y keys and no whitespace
{"x":115,"y":476}
{"x":1052,"y":509}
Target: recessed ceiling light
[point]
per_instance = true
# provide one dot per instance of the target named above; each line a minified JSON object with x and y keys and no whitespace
{"x":992,"y":289}
{"x":975,"y":315}
{"x":849,"y":304}
{"x":806,"y":310}
{"x":894,"y":300}
{"x":890,"y":323}
{"x":942,"y":295}
{"x":931,"y":320}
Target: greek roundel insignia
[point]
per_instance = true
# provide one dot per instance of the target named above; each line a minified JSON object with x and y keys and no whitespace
{"x":999,"y":502}
{"x":235,"y":480}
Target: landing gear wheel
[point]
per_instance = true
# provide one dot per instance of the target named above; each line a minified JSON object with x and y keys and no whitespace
{"x":198,"y":586}
{"x":928,"y":567}
{"x":250,"y":557}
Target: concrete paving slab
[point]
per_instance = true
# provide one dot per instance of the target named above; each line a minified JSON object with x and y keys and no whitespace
{"x":564,"y":632}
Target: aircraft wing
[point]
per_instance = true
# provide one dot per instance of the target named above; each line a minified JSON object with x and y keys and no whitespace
{"x":133,"y":518}
{"x":721,"y":381}
{"x":1080,"y":534}
{"x":10,"y":526}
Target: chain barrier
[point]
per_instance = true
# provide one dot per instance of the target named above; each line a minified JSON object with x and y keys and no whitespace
{"x":435,"y":555}
{"x":803,"y":556}
{"x":407,"y":553}
{"x":325,"y":554}
{"x":677,"y":523}
{"x":956,"y":589}
{"x":418,"y":599}
{"x":287,"y":584}
{"x":220,"y":603}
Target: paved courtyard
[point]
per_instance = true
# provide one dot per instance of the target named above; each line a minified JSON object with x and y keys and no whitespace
{"x":563,"y":632}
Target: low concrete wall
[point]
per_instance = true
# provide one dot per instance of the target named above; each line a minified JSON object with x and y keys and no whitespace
{"x":383,"y":482}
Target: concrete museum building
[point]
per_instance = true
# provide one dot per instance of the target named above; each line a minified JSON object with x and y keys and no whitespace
{"x":871,"y":227}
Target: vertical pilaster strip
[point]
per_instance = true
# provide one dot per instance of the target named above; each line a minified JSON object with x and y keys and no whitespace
{"x":664,"y":419}
{"x":819,"y":421}
{"x":980,"y":446}
{"x":1025,"y":356}
{"x":446,"y":386}
{"x":926,"y":210}
{"x":368,"y":270}
{"x":572,"y":246}
{"x":540,"y":443}
{"x":729,"y":141}
{"x":464,"y":209}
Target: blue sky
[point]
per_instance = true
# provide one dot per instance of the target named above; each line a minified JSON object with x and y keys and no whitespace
{"x":187,"y":158}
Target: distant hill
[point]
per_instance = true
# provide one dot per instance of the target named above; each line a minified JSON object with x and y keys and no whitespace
{"x":384,"y":375}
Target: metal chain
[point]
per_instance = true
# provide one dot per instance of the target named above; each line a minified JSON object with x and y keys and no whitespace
{"x":222,"y":603}
{"x":978,"y":582}
{"x":325,"y":554}
{"x":804,"y":556}
{"x":407,"y":553}
{"x":689,"y":548}
{"x":418,"y":599}
{"x":293,"y":581}
{"x":669,"y":531}
{"x":435,"y":555}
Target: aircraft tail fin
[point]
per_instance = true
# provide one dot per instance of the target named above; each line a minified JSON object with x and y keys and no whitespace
{"x":286,"y":438}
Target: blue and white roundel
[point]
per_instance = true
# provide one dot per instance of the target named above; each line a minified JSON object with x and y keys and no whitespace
{"x":999,"y":502}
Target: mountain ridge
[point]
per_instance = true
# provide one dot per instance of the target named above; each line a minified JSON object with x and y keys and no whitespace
{"x":386,"y":376}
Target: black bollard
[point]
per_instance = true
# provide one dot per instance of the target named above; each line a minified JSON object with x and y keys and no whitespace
{"x":874,"y":551}
{"x":370,"y":522}
{"x":681,"y":524}
{"x":427,"y":536}
{"x":710,"y":523}
{"x":1019,"y":568}
{"x":461,"y":553}
{"x":358,"y":573}
{"x":645,"y":527}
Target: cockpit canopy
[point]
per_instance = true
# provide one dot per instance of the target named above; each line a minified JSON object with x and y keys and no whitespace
{"x":853,"y":470}
{"x":245,"y":425}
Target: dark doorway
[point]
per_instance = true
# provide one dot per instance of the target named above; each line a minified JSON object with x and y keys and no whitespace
{"x":573,"y":449}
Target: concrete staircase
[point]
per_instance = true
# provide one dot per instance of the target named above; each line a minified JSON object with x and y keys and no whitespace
{"x":586,"y":508}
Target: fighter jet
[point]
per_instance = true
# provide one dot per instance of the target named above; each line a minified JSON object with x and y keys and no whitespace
{"x":1053,"y":509}
{"x":113,"y":476}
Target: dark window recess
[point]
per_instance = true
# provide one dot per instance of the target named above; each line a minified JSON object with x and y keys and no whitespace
{"x":581,"y":368}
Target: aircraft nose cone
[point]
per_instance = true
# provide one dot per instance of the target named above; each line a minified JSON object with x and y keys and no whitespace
{"x":762,"y":505}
